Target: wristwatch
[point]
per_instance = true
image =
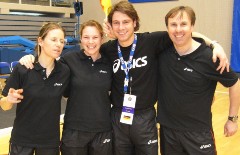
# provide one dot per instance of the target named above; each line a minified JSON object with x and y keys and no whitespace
{"x":233,"y":118}
{"x":212,"y":44}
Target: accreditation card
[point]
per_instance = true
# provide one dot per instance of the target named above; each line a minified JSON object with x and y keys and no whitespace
{"x":129,"y":103}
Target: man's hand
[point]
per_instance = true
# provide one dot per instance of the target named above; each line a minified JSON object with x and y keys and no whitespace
{"x":27,"y":61}
{"x":230,"y":128}
{"x":219,"y":53}
{"x":107,"y":29}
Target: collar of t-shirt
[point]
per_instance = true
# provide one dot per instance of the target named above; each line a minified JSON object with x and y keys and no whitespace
{"x":83,"y":56}
{"x":38,"y":67}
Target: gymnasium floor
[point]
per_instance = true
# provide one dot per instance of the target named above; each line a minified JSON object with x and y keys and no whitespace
{"x":225,"y":145}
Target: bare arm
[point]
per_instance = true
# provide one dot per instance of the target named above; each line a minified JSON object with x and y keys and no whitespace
{"x":218,"y":52}
{"x":230,"y":127}
{"x":14,"y":97}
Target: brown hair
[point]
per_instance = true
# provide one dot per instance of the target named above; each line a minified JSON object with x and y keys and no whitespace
{"x":91,"y":23}
{"x":173,"y":12}
{"x":44,"y":31}
{"x":127,"y":8}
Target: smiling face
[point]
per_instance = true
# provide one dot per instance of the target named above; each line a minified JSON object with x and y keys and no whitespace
{"x":91,"y":40}
{"x":180,"y":22}
{"x":180,"y":29}
{"x":123,"y":28}
{"x":124,"y":21}
{"x":52,"y":44}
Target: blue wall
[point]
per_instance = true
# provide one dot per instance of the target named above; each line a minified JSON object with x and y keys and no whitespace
{"x":9,"y":55}
{"x":235,"y":52}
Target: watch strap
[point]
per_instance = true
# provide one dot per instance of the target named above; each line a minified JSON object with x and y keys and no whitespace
{"x":233,"y":118}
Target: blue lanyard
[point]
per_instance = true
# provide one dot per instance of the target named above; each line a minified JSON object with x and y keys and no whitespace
{"x":127,"y":67}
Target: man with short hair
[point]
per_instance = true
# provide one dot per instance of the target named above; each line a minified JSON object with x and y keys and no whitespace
{"x":187,"y":82}
{"x":134,"y":58}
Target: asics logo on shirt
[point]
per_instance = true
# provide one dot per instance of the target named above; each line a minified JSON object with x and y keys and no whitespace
{"x":106,"y":140}
{"x":188,"y":69}
{"x":152,"y":141}
{"x":57,"y":84}
{"x":136,"y":63}
{"x":101,"y":71}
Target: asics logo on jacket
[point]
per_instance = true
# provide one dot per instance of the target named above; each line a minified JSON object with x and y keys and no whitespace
{"x":188,"y":69}
{"x":102,"y":71}
{"x":57,"y":84}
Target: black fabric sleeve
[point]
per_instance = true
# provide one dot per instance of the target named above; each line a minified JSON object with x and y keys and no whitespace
{"x":227,"y":79}
{"x":16,"y":79}
{"x":62,"y":60}
{"x":162,"y":40}
{"x":105,"y":46}
{"x":208,"y":68}
{"x":66,"y":93}
{"x":67,"y":89}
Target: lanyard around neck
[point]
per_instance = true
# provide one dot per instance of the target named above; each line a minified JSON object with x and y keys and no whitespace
{"x":128,"y":65}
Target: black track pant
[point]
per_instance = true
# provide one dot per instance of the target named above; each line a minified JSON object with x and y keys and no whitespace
{"x":75,"y":142}
{"x":140,"y":138}
{"x":175,"y":142}
{"x":22,"y":150}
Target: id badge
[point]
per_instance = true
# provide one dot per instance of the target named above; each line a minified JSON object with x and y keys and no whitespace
{"x":129,"y":103}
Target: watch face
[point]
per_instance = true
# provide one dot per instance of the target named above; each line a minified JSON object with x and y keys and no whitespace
{"x":233,"y":119}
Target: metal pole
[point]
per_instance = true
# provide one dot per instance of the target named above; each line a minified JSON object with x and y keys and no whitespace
{"x":78,"y":25}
